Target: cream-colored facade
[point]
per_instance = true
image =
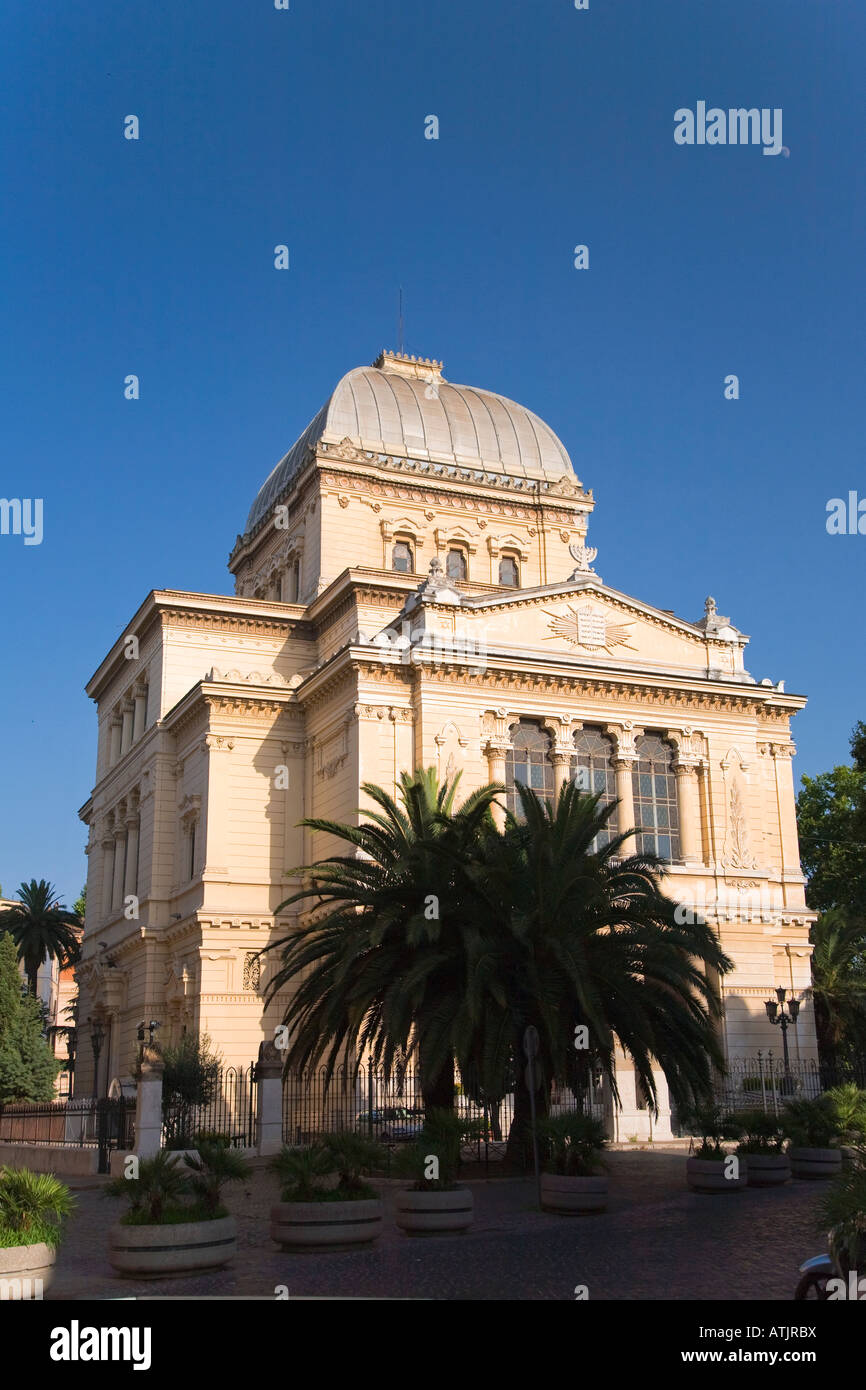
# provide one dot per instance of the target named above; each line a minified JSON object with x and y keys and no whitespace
{"x":413,"y":586}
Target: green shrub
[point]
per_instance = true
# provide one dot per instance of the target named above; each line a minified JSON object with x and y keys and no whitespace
{"x":433,"y":1160}
{"x":811,"y":1124}
{"x":33,"y":1208}
{"x":215,"y":1165}
{"x":714,"y":1127}
{"x":573,"y":1144}
{"x":761,"y":1133}
{"x":842,"y":1212}
{"x":300,"y":1172}
{"x":849,"y":1103}
{"x":158,"y":1189}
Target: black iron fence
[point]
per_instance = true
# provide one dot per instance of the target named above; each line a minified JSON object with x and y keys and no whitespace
{"x":229,"y":1111}
{"x":766,"y":1082}
{"x":92,"y":1123}
{"x":391,"y":1109}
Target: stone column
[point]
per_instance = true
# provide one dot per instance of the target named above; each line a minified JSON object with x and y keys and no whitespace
{"x":117,"y":881}
{"x":561,"y":759}
{"x":624,"y":768}
{"x":495,"y":750}
{"x":691,"y":847}
{"x":269,"y":1099}
{"x":126,"y":727}
{"x":114,"y":728}
{"x":108,"y":844}
{"x":148,"y":1105}
{"x":130,"y":885}
{"x":140,"y":715}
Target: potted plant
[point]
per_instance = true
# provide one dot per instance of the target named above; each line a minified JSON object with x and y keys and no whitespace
{"x":761,"y":1146}
{"x":572,"y":1180}
{"x":176,"y":1221}
{"x":849,"y":1105}
{"x":711,"y":1169}
{"x":843,"y":1213}
{"x":436,"y":1204}
{"x":812,"y":1129}
{"x":325,"y":1201}
{"x":33,"y":1209}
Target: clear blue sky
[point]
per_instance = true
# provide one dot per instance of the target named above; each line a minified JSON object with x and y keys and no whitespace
{"x":306,"y":127}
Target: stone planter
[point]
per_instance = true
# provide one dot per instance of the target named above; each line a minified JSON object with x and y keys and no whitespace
{"x":769,"y":1170}
{"x":326,"y":1225}
{"x":153,"y":1252}
{"x":573,"y":1196}
{"x":25,"y":1271}
{"x":707,"y":1175}
{"x":815,"y":1163}
{"x":432,"y":1213}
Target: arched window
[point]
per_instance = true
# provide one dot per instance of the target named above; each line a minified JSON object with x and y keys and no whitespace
{"x":456,"y":566}
{"x":402,"y":558}
{"x":592,"y":770}
{"x":528,"y":761}
{"x":509,"y":574}
{"x":655,"y":798}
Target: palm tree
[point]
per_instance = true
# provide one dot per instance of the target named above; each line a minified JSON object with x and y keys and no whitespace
{"x":839,"y":982}
{"x":383,"y":965}
{"x":577,"y":936}
{"x":42,"y":928}
{"x":534,"y":925}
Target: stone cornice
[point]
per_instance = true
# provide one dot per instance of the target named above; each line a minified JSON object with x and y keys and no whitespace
{"x":360,"y":466}
{"x":215,"y":612}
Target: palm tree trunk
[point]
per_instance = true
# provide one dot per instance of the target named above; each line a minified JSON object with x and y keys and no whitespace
{"x":437,"y":1092}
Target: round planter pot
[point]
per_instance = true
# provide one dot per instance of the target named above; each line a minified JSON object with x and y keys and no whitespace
{"x":432,"y":1213}
{"x":769,"y":1170}
{"x":326,"y":1225}
{"x":708,"y":1175}
{"x":815,"y":1163}
{"x":25,"y":1271}
{"x":573,"y":1196}
{"x":153,"y":1252}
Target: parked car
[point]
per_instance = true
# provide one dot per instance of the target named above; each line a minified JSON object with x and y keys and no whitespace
{"x":393,"y":1123}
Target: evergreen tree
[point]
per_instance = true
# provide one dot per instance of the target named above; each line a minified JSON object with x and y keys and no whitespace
{"x":27,"y":1068}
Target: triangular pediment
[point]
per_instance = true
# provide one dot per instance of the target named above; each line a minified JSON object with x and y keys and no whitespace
{"x":590,"y":622}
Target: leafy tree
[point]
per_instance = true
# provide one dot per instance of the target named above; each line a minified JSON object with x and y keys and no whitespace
{"x":42,"y":928}
{"x":80,"y":905}
{"x":27,"y":1067}
{"x":831,"y":820}
{"x":839,"y":984}
{"x":190,"y":1080}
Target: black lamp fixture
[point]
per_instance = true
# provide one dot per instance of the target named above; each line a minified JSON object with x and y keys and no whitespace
{"x":97,"y":1038}
{"x":149,"y":1028}
{"x":783,"y":1015}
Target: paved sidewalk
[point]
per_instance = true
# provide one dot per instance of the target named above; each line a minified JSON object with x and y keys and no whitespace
{"x":656,"y":1241}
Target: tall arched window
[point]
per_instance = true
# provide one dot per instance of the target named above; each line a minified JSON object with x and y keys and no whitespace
{"x":456,"y":566}
{"x":509,"y":574}
{"x":655,"y":798}
{"x":402,"y":558}
{"x":528,"y":761}
{"x":592,"y":770}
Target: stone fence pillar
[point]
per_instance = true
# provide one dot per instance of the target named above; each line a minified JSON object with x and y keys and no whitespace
{"x":269,"y":1098}
{"x":148,"y":1105}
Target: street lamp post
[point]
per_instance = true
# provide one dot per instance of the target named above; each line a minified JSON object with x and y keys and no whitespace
{"x":97,"y":1038}
{"x":784,"y":1018}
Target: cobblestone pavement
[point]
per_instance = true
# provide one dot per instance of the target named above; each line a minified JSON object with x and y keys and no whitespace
{"x":656,"y":1241}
